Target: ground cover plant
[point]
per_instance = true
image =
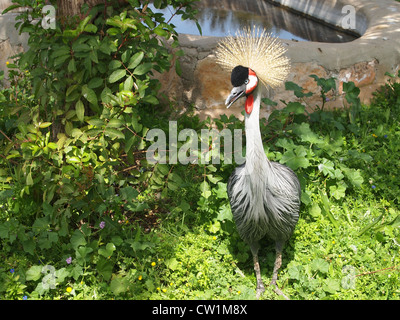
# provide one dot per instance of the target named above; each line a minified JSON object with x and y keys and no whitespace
{"x":84,"y":215}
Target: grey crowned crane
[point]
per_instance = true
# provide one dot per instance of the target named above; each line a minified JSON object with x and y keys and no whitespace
{"x":264,"y":195}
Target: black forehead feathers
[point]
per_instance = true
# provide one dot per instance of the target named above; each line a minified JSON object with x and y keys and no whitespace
{"x":239,"y":75}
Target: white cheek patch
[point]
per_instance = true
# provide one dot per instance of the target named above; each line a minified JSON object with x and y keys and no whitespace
{"x":253,"y":81}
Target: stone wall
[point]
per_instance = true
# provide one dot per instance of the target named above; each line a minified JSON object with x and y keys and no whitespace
{"x":206,"y":85}
{"x":11,"y":43}
{"x":363,"y":61}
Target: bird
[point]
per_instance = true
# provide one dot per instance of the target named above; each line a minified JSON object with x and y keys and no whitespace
{"x":264,"y":196}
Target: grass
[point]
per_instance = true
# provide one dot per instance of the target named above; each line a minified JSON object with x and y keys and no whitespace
{"x":343,"y":247}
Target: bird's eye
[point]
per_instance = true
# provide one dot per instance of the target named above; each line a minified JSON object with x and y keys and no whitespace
{"x":246,"y":81}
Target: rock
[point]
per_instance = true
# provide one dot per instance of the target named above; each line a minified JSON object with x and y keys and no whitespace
{"x":212,"y":84}
{"x":362,"y":74}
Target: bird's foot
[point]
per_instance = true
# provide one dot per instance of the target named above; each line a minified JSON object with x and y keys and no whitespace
{"x":277,"y":290}
{"x":260,"y":290}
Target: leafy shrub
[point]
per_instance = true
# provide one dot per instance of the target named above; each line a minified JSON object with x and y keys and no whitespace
{"x":73,"y":123}
{"x":85,"y":216}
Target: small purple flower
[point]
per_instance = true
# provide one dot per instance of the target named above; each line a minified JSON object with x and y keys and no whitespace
{"x":69,"y":260}
{"x":385,"y":136}
{"x":102,"y":224}
{"x":25,"y":297}
{"x":12,"y":270}
{"x":373,"y":186}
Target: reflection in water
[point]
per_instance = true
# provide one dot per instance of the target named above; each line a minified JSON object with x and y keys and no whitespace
{"x":223,"y":18}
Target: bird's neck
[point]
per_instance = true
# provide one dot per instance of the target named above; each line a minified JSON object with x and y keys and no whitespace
{"x":255,"y":155}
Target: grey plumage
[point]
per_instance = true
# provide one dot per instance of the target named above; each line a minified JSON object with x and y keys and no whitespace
{"x":272,"y":210}
{"x":264,"y":195}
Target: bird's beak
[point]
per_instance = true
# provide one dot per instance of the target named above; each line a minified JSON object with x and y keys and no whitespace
{"x":236,"y":93}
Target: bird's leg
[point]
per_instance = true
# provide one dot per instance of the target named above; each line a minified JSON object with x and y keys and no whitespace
{"x":260,"y":285}
{"x":278,"y":262}
{"x":277,"y":265}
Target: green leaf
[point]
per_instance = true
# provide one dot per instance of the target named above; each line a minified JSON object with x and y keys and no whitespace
{"x":320,"y":265}
{"x":73,"y":160}
{"x":108,"y":250}
{"x":220,"y":191}
{"x":171,"y":263}
{"x":178,"y":68}
{"x":128,"y":84}
{"x":114,"y":133}
{"x":117,"y":75}
{"x":61,"y":274}
{"x":106,"y":95}
{"x":12,"y":7}
{"x":93,"y":56}
{"x":52,"y":145}
{"x":77,"y":239}
{"x":40,"y":224}
{"x":29,"y":180}
{"x":90,"y":28}
{"x":115,"y":123}
{"x":331,"y":285}
{"x":372,"y":224}
{"x":214,"y":226}
{"x":82,"y":254}
{"x":297,"y":90}
{"x":137,"y":126}
{"x":71,"y":66}
{"x":225,"y":213}
{"x":269,"y":102}
{"x":315,"y":210}
{"x":338,"y":191}
{"x":128,"y":193}
{"x":44,"y":125}
{"x":114,"y":64}
{"x":95,"y":82}
{"x":29,"y":246}
{"x":205,"y":189}
{"x":296,"y":158}
{"x":135,"y":60}
{"x":80,"y":47}
{"x":285,"y":143}
{"x":151,"y":99}
{"x":59,"y":60}
{"x":34,"y":273}
{"x":80,"y":110}
{"x":295,"y":272}
{"x":143,"y":68}
{"x":295,"y":107}
{"x":213,"y":179}
{"x":326,"y":208}
{"x":327,"y":168}
{"x":136,"y":245}
{"x":354,"y":176}
{"x":157,"y":4}
{"x":306,"y":134}
{"x":3,"y":231}
{"x":161,"y":32}
{"x":76,"y":272}
{"x":199,"y":28}
{"x":89,"y":94}
{"x":119,"y":285}
{"x":137,"y":206}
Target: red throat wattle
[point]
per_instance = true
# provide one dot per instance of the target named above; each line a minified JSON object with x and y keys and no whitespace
{"x":249,"y":103}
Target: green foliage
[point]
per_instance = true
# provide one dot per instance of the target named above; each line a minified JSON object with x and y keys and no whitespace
{"x":316,"y":149}
{"x":83,"y":215}
{"x":73,"y":127}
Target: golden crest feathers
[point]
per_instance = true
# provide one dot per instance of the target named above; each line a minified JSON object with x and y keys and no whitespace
{"x":258,"y":50}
